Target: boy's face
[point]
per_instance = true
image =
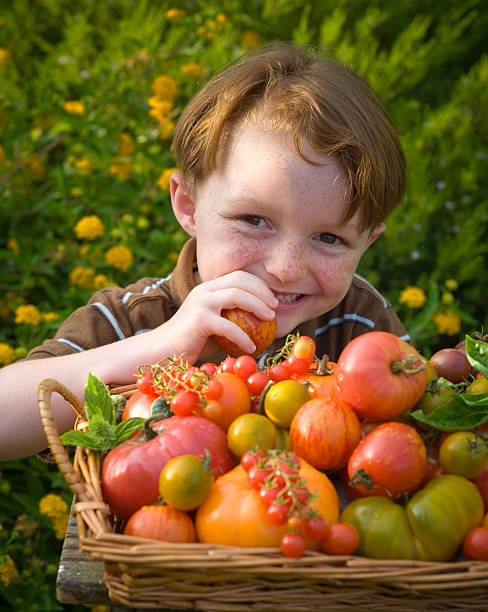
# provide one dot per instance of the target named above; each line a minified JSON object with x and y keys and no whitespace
{"x":272,"y":214}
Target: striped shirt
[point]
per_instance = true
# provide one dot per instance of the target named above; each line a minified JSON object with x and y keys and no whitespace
{"x":115,"y":313}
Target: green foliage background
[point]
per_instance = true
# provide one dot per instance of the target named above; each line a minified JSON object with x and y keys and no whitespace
{"x":425,"y":59}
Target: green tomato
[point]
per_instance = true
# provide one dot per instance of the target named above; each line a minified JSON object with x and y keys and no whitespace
{"x":464,"y":453}
{"x":184,"y":482}
{"x":431,"y":400}
{"x":430,"y":528}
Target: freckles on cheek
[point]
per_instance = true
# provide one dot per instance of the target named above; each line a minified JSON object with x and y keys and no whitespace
{"x":228,"y":256}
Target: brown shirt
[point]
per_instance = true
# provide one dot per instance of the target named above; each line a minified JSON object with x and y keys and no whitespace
{"x":116,"y":313}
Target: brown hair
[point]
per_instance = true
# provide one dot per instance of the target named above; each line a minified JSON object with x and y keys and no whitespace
{"x":307,"y":97}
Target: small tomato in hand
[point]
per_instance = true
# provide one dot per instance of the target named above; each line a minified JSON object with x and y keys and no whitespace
{"x":262,"y":333}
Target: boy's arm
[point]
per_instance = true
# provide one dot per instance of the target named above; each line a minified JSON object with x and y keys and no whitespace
{"x":188,"y":334}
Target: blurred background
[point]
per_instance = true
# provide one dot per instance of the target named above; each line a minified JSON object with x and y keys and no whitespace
{"x":89,"y":96}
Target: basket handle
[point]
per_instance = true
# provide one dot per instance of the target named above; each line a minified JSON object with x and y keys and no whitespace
{"x":46,"y":388}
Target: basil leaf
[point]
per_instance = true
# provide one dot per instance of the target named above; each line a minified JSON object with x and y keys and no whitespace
{"x":125,"y":428}
{"x":98,"y":400}
{"x":457,"y":414}
{"x":80,"y":438}
{"x":477,"y":354}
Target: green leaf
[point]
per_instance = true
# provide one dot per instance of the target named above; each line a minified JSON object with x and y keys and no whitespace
{"x":80,"y":438}
{"x":98,"y":400}
{"x":124,"y":429}
{"x":463,"y":411}
{"x":477,"y":354}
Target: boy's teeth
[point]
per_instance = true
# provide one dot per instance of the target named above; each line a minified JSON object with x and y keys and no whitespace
{"x":288,"y":298}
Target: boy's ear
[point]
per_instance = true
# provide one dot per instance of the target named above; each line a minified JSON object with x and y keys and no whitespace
{"x":182,"y":202}
{"x":375,"y":233}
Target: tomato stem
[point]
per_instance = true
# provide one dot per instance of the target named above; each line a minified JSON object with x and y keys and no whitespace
{"x":410,"y":366}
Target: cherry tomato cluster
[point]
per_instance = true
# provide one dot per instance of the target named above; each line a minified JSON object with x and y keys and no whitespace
{"x":275,"y":475}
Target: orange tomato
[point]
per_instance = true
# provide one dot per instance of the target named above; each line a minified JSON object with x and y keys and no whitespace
{"x":233,"y":402}
{"x":234,"y":515}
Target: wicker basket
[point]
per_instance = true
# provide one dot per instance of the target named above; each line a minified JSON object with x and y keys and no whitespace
{"x":149,"y":574}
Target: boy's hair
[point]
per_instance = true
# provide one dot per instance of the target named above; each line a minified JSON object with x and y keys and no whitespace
{"x":309,"y":98}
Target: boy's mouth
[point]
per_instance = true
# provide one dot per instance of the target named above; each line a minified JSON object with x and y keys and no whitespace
{"x":288,"y":298}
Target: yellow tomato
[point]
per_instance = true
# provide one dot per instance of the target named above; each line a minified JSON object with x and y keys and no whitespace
{"x":283,"y":400}
{"x":251,"y":431}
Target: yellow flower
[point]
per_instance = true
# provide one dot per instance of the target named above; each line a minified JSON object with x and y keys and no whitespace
{"x":121,"y":169}
{"x":165,"y":177}
{"x":82,"y":277}
{"x":451,"y":284}
{"x":8,"y":571}
{"x":125,"y":145}
{"x":142,"y":222}
{"x":222,"y":18}
{"x":166,"y":128}
{"x":100,"y":281}
{"x":250,"y":40}
{"x":60,"y":523}
{"x":164,"y":106}
{"x":447,"y":298}
{"x":53,"y":505}
{"x":13,"y":245}
{"x":447,"y":322}
{"x":165,"y":87}
{"x":99,"y":609}
{"x":84,"y":165}
{"x":192,"y":69}
{"x":119,"y":257}
{"x":76,"y":192}
{"x":21,"y":352}
{"x":74,"y":107}
{"x":49,"y":316}
{"x":36,"y":168}
{"x":7,"y":354}
{"x":28,"y":314}
{"x":89,"y":228}
{"x":5,"y":55}
{"x":413,"y":297}
{"x":175,"y":13}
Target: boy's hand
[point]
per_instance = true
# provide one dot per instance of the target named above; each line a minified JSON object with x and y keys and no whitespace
{"x":190,"y":330}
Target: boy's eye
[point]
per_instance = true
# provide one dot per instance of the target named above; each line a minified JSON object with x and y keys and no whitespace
{"x":251,"y":219}
{"x":328,"y":238}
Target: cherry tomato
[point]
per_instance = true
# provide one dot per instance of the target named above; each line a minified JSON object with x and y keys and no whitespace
{"x":316,"y":528}
{"x":279,"y":372}
{"x":213,"y":389}
{"x":184,"y":403}
{"x":256,"y":382}
{"x":257,"y":475}
{"x":277,"y":513}
{"x":293,"y":545}
{"x":304,"y":348}
{"x":244,"y":366}
{"x":452,"y":364}
{"x":138,"y":405}
{"x":297,"y":366}
{"x":250,"y":431}
{"x":145,"y":384}
{"x":296,"y":523}
{"x":463,"y":453}
{"x":479,"y":385}
{"x":340,"y":539}
{"x":227,"y":365}
{"x":250,"y":458}
{"x":184,"y":482}
{"x":269,"y":494}
{"x":475,"y":544}
{"x":209,"y":368}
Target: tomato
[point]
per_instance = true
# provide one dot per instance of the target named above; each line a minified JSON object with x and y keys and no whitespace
{"x":430,"y":528}
{"x":251,"y":431}
{"x":479,"y":385}
{"x":340,"y":539}
{"x":145,"y":383}
{"x":322,"y":386}
{"x":481,"y":481}
{"x":293,"y":545}
{"x":184,"y":482}
{"x":244,"y":366}
{"x":475,"y":544}
{"x":464,"y":453}
{"x":233,"y":401}
{"x":277,"y":513}
{"x":304,"y":348}
{"x":380,"y":376}
{"x":262,"y":333}
{"x":296,"y":365}
{"x":282,"y":401}
{"x":279,"y":372}
{"x":324,"y":432}
{"x":161,"y":523}
{"x":451,"y":364}
{"x":432,"y":399}
{"x":394,"y":458}
{"x":130,"y":471}
{"x":138,"y":405}
{"x":315,"y":528}
{"x":183,"y":403}
{"x":233,"y":514}
{"x":256,"y":382}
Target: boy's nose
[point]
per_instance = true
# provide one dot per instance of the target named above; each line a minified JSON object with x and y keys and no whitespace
{"x":286,"y":262}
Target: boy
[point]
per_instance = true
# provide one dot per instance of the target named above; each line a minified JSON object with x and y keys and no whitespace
{"x":289,"y":166}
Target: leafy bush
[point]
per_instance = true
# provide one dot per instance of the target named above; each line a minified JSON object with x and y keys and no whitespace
{"x":89,"y":94}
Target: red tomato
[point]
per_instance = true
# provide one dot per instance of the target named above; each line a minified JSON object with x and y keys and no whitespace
{"x":138,"y":405}
{"x":130,"y":471}
{"x":161,"y":523}
{"x":475,"y":544}
{"x":293,"y":544}
{"x":325,"y":431}
{"x":380,"y":376}
{"x":233,"y":401}
{"x":340,"y":539}
{"x":394,"y":458}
